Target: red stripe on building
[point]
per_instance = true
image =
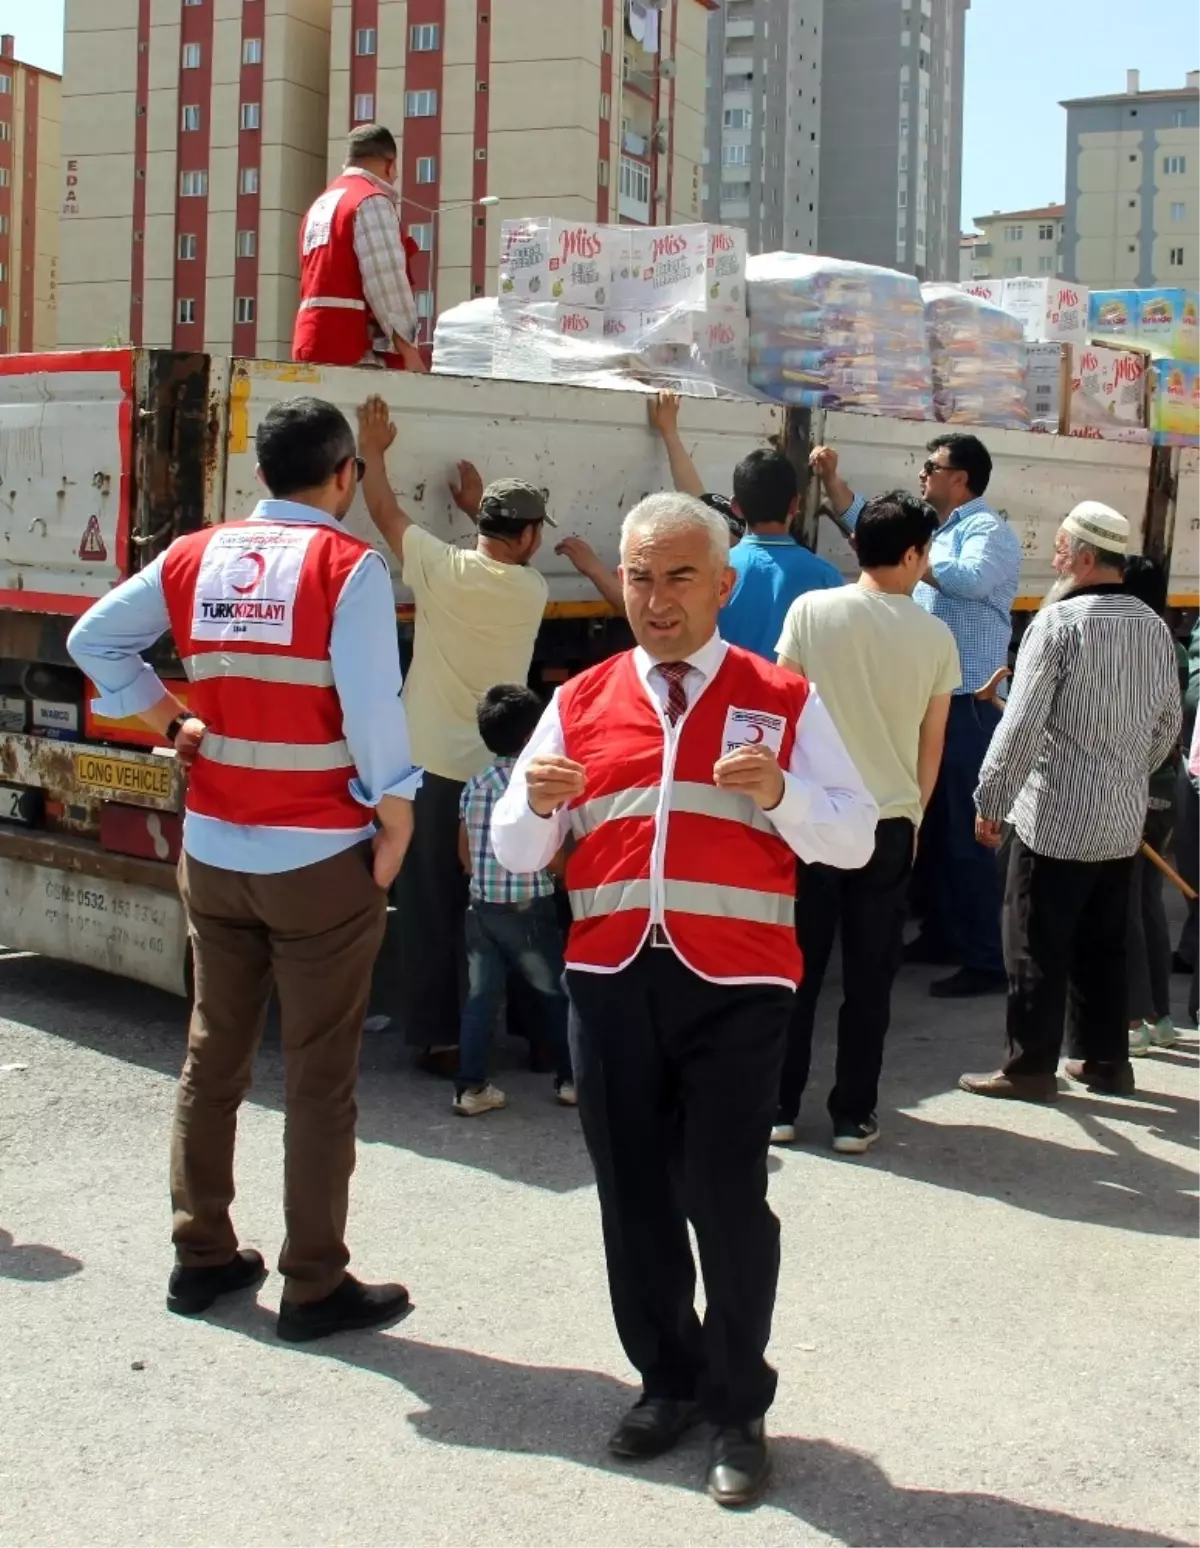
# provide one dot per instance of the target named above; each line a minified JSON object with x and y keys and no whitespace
{"x":670,"y":205}
{"x":364,"y":68}
{"x":9,"y":65}
{"x":422,"y":137}
{"x":245,"y":266}
{"x":655,"y":116}
{"x":479,"y":172}
{"x":29,"y":164}
{"x":191,"y":211}
{"x":141,"y":129}
{"x":604,"y":149}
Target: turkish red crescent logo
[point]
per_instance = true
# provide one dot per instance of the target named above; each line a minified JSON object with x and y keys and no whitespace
{"x":754,"y":735}
{"x":260,"y":569}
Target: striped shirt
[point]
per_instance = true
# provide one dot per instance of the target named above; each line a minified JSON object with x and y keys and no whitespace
{"x":1094,"y":709}
{"x":381,"y":261}
{"x":490,"y":882}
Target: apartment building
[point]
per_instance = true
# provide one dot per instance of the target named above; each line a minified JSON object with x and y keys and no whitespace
{"x":586,"y":109}
{"x":1132,"y":211}
{"x":29,"y":196}
{"x":193,"y":139}
{"x":1018,"y":242}
{"x":835,"y":126}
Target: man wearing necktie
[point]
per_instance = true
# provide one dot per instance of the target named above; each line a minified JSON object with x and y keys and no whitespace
{"x":691,"y":774}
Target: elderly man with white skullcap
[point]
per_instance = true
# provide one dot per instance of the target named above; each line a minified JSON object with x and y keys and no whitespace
{"x":1094,"y":709}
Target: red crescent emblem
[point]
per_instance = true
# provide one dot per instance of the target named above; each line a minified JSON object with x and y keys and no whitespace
{"x":754,"y":735}
{"x":260,"y":569}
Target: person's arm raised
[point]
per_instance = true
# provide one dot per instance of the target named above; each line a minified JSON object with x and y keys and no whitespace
{"x":376,"y":432}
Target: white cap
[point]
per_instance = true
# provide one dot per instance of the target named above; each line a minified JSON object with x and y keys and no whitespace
{"x":1099,"y":525}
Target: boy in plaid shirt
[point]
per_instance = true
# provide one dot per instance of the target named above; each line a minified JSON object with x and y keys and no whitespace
{"x":512,"y":920}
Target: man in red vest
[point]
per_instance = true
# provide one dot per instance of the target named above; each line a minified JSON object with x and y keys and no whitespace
{"x":356,"y":300}
{"x":298,"y":746}
{"x":691,"y":774}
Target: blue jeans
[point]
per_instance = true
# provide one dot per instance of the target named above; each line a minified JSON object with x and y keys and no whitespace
{"x":520,"y":938}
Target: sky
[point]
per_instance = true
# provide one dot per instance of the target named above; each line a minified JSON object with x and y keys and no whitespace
{"x":1023,"y":58}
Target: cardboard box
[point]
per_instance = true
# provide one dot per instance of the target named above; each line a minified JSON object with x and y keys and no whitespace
{"x":667,"y":269}
{"x":1089,"y":390}
{"x":1051,"y":310}
{"x":1175,"y":403}
{"x":1162,"y":320}
{"x":563,"y":262}
{"x":14,"y":712}
{"x":726,"y":269}
{"x":989,"y":290}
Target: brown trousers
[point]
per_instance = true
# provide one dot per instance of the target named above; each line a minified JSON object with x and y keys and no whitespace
{"x":313,"y":935}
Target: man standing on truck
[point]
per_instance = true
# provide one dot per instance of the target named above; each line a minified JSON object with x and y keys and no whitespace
{"x":298,"y":749}
{"x":478,"y":614}
{"x":970,"y":583}
{"x":356,"y":302}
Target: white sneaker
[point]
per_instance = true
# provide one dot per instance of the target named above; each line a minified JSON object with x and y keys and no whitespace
{"x":566,"y":1094}
{"x":1162,"y":1033}
{"x":783,"y":1134}
{"x":471,"y":1103}
{"x":1139,"y":1041}
{"x":377,"y":1023}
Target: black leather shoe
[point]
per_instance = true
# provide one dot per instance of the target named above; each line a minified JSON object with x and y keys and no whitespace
{"x":652,"y":1426}
{"x":967,"y":983}
{"x":1115,"y":1079}
{"x":740,"y":1465}
{"x":352,"y":1305}
{"x":191,"y":1291}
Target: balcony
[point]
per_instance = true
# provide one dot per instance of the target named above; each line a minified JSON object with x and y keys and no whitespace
{"x":635,"y":144}
{"x":633,"y":195}
{"x":739,"y":26}
{"x":637,"y":80}
{"x":982,"y":250}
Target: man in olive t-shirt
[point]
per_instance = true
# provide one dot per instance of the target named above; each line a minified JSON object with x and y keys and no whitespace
{"x":885,"y":670}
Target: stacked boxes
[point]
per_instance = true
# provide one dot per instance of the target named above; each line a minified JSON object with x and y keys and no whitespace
{"x":1175,"y":403}
{"x":1052,"y":310}
{"x":1088,"y":390}
{"x":978,"y":357}
{"x":1165,"y":322}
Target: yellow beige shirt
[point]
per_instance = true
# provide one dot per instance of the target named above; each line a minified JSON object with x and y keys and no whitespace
{"x":476,"y":625}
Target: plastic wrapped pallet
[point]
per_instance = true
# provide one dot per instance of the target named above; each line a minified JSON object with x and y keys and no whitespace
{"x":977,"y":354}
{"x":827,"y":333}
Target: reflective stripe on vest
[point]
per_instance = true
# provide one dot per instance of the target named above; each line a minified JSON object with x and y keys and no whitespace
{"x":708,"y":898}
{"x":260,"y":666}
{"x":695,"y":799}
{"x":275,"y":757}
{"x":338,"y":303}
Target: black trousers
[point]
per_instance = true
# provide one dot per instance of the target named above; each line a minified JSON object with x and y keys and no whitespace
{"x":870,"y":903}
{"x":431,"y":905}
{"x":678,"y":1080}
{"x":1064,"y":946}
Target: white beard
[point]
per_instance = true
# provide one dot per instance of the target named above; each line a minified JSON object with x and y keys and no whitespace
{"x":1061,"y":587}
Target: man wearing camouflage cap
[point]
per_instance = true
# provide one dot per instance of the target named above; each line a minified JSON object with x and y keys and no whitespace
{"x":478,"y":613}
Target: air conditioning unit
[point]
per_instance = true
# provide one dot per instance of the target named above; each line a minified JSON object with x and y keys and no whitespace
{"x":661,"y":142}
{"x":662,"y":126}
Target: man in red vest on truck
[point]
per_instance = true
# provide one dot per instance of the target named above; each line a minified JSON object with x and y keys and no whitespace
{"x":356,"y":300}
{"x":691,"y":773}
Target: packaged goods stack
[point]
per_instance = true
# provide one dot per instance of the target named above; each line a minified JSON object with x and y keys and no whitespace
{"x":1165,"y":323}
{"x":978,"y":358}
{"x":827,"y":333}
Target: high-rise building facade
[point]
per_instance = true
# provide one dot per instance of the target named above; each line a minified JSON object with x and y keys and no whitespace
{"x":1012,"y":242}
{"x":835,"y":126}
{"x":1133,"y":215}
{"x":194,"y":138}
{"x":585,"y":109}
{"x":29,"y":196}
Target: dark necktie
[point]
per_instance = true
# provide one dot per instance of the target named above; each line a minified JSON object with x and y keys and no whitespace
{"x":673,"y":674}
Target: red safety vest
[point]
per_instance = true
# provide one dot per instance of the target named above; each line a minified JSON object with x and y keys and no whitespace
{"x":251,"y":605}
{"x":333,"y":321}
{"x":728,"y":881}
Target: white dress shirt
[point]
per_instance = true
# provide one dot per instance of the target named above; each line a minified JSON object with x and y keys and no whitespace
{"x":826,"y":815}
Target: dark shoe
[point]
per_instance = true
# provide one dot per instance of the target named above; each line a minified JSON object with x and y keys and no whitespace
{"x":193,"y":1290}
{"x":1016,"y":1088}
{"x":442,"y":1062}
{"x":967,"y":983}
{"x":1115,"y":1079}
{"x":740,"y":1464}
{"x":855,"y":1139}
{"x":652,"y":1426}
{"x":1180,"y":964}
{"x":921,"y":949}
{"x":352,"y":1305}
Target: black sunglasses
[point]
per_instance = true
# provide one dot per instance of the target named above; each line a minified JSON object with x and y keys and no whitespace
{"x":930,"y":466}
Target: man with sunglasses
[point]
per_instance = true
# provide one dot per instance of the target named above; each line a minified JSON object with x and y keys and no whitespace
{"x":299,"y":813}
{"x":970,"y":583}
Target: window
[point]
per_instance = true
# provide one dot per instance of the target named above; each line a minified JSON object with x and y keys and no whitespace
{"x":605,"y":106}
{"x":904,"y":128}
{"x":191,"y":56}
{"x":5,"y":85}
{"x":252,"y":51}
{"x":1046,"y":232}
{"x":5,"y":177}
{"x":185,"y":310}
{"x":1178,"y":210}
{"x":5,"y":131}
{"x":366,"y":40}
{"x":243,"y":309}
{"x":424,"y":300}
{"x":1014,"y":233}
{"x":246,"y":245}
{"x":186,"y":248}
{"x":737,"y":118}
{"x":1173,"y":164}
{"x":3,"y":225}
{"x":635,"y":181}
{"x":251,"y":116}
{"x":606,"y":43}
{"x":423,"y":39}
{"x":426,"y":169}
{"x":902,"y":200}
{"x":735,"y":155}
{"x":189,"y":119}
{"x":1179,"y":118}
{"x":1176,"y":258}
{"x":422,"y":235}
{"x":1045,"y":264}
{"x":602,"y":174}
{"x":904,"y":161}
{"x":248,"y":180}
{"x":193,"y":2}
{"x":1012,"y":266}
{"x":193,"y":185}
{"x":420,"y":104}
{"x":364,"y":107}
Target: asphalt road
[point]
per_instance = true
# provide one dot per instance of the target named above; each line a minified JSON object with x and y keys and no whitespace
{"x":986,"y":1331}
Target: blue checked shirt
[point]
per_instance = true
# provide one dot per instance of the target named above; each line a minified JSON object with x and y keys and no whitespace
{"x":976,"y":560}
{"x":490,"y":882}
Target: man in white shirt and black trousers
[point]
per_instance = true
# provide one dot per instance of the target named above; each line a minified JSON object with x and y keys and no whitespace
{"x":1094,"y":710}
{"x":691,"y":774}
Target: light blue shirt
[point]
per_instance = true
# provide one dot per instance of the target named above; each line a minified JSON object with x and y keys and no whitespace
{"x":365,"y":657}
{"x":976,"y":560}
{"x":772,"y":572}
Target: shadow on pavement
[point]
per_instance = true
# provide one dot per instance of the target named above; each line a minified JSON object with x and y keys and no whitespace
{"x":477,"y":1401}
{"x":34,"y":1262}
